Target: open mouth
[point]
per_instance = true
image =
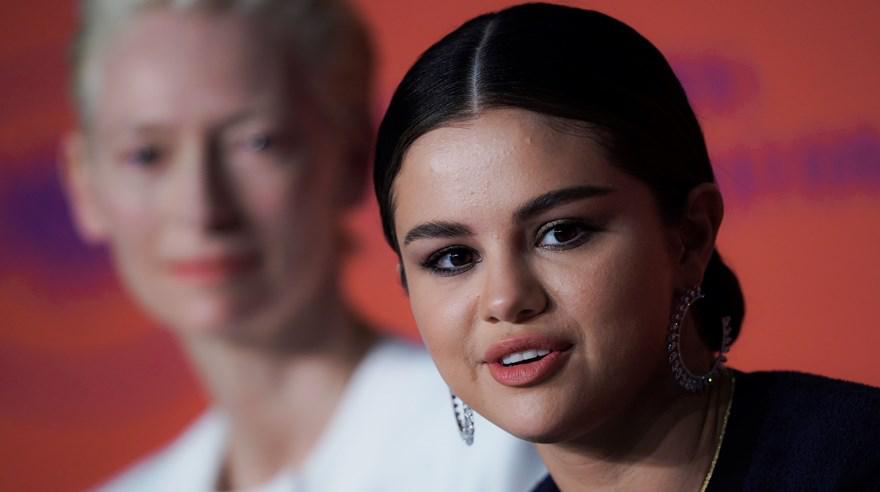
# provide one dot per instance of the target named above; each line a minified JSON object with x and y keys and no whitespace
{"x":524,"y":357}
{"x":527,"y":360}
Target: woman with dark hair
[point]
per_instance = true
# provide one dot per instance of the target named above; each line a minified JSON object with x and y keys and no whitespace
{"x":547,"y":188}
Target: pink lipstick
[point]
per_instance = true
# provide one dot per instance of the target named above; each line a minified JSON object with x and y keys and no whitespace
{"x":525,"y":361}
{"x":213,"y":269}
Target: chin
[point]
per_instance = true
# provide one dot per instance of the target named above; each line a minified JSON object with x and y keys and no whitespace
{"x":535,"y":419}
{"x":193,"y":325}
{"x":539,"y":431}
{"x":205,"y":317}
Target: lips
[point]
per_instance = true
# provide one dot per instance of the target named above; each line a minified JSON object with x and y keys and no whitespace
{"x":214,"y":268}
{"x":525,"y":361}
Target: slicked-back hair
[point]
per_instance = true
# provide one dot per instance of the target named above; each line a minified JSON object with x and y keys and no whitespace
{"x":598,"y":75}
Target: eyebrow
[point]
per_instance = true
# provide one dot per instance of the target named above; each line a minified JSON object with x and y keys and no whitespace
{"x":148,"y":128}
{"x":250,"y":114}
{"x":553,"y":199}
{"x":533,"y":207}
{"x":160,"y":128}
{"x":430,"y":230}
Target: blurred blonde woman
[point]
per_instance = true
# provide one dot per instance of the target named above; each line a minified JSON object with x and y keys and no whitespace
{"x":218,"y":144}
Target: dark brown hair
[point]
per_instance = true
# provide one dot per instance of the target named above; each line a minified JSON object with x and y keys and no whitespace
{"x":576,"y":64}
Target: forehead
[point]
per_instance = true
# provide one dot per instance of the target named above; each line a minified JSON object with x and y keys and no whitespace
{"x":494,"y":163}
{"x":168,"y":64}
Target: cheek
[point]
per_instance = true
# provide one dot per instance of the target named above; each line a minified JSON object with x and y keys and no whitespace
{"x":134,"y":226}
{"x":128,"y":199}
{"x":296,"y":222}
{"x":131,"y":216}
{"x":443,"y":312}
{"x":281,"y":210}
{"x":641,"y":301}
{"x":621,"y":300}
{"x":292,"y":193}
{"x":434,"y":318}
{"x":265,"y":191}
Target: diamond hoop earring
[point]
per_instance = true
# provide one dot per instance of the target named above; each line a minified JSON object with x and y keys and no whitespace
{"x":464,"y":417}
{"x":688,"y":380}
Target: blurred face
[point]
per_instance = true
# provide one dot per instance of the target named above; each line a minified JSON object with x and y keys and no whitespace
{"x":213,"y":183}
{"x":541,"y":277}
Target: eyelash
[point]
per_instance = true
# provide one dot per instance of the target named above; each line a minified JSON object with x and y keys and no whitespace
{"x":260,"y":142}
{"x":584,"y":233}
{"x":280,"y":148}
{"x":145,"y":156}
{"x":432,"y":262}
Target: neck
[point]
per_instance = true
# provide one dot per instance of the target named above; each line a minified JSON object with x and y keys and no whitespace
{"x":279,"y":393}
{"x":665,"y":442}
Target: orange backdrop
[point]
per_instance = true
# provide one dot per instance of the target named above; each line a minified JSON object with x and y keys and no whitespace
{"x":786,"y":92}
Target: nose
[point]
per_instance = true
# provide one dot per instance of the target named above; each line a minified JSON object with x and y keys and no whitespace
{"x":512,"y":293}
{"x":204,"y":195}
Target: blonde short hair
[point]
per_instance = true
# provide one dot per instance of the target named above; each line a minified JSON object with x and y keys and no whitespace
{"x":326,"y":38}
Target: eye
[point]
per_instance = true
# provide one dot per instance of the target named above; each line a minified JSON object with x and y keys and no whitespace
{"x":145,"y":156}
{"x":563,"y":234}
{"x":451,"y":261}
{"x":260,"y":143}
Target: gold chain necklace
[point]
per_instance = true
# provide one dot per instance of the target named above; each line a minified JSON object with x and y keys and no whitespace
{"x":720,"y":435}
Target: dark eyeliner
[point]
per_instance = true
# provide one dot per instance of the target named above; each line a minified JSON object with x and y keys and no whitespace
{"x":430,"y":263}
{"x":585,"y":232}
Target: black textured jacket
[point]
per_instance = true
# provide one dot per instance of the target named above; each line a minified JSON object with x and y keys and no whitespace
{"x":798,"y":432}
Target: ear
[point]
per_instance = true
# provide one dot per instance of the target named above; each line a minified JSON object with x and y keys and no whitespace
{"x":698,"y":231}
{"x":77,"y":181}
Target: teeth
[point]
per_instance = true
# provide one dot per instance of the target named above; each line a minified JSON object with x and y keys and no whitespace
{"x":525,"y":355}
